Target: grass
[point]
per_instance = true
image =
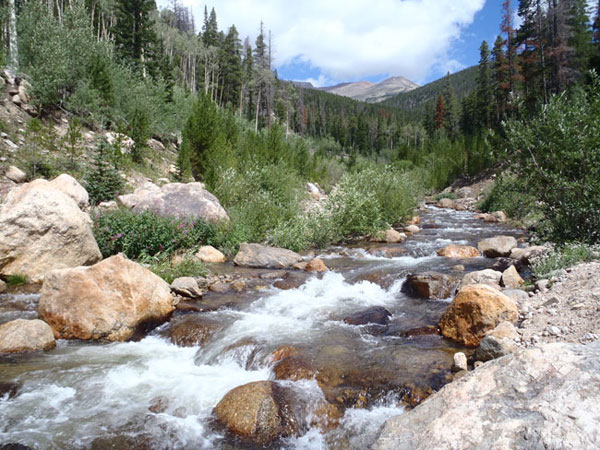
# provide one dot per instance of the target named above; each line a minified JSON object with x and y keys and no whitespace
{"x":16,"y":280}
{"x":164,"y":268}
{"x":563,"y":257}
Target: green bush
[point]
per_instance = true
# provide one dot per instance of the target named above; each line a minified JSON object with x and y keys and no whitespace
{"x":557,"y":155}
{"x":147,"y":234}
{"x":511,"y":195}
{"x":562,"y":258}
{"x":162,"y":266}
{"x":103,"y":182}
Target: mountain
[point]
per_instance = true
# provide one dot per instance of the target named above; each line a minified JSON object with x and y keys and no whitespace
{"x":417,"y":100}
{"x":369,"y":92}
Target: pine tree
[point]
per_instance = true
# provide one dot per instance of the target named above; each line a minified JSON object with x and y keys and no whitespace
{"x":596,"y":29}
{"x":103,"y":181}
{"x":231,"y":68}
{"x":501,"y":77}
{"x":440,"y":113}
{"x":134,"y":33}
{"x":484,"y":86}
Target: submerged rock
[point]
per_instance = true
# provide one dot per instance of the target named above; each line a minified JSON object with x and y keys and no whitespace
{"x":316,"y":265}
{"x":26,"y":336}
{"x":260,"y":256}
{"x":9,"y":390}
{"x":193,"y":329}
{"x":377,"y":315}
{"x":113,"y":300}
{"x":41,"y":229}
{"x":498,"y":246}
{"x":475,"y":310}
{"x":541,"y":398}
{"x":433,"y":285}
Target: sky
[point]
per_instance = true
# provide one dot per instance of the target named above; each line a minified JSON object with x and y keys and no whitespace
{"x":332,"y":41}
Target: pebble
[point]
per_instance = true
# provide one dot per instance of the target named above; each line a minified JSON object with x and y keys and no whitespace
{"x":554,"y":331}
{"x":460,"y":362}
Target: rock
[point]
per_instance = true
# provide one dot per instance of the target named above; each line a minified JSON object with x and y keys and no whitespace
{"x":504,"y":330}
{"x":415,"y":220}
{"x":24,"y":93}
{"x":193,"y":329}
{"x":495,"y":217}
{"x":413,"y":229}
{"x":16,"y":99}
{"x":289,"y":283}
{"x":258,"y":412}
{"x":316,"y":265}
{"x":238,"y":286}
{"x":458,"y":268}
{"x":526,"y":255}
{"x":511,"y":278}
{"x":9,"y":390}
{"x":42,"y":228}
{"x":3,"y":286}
{"x":375,"y":315}
{"x":475,"y":310}
{"x":209,"y":254}
{"x":497,"y":246}
{"x":256,"y":255}
{"x":187,"y":287}
{"x":432,"y":285}
{"x":465,"y":192}
{"x":460,"y":362}
{"x":519,"y":296}
{"x":177,"y":200}
{"x":219,"y":287}
{"x":501,"y":264}
{"x":539,"y":398}
{"x":26,"y":336}
{"x":446,"y":203}
{"x":15,"y":174}
{"x":387,"y":252}
{"x":497,"y":343}
{"x":70,"y":186}
{"x":458,"y":252}
{"x":489,"y":277}
{"x":109,"y":206}
{"x":114,"y":300}
{"x":390,"y":236}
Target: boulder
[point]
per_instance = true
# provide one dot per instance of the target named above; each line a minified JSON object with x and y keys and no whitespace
{"x":377,"y":315}
{"x":414,"y":220}
{"x":390,"y":236}
{"x":42,"y":228}
{"x":475,"y":310}
{"x":256,"y":255}
{"x":490,"y":277}
{"x":511,"y":278}
{"x":187,"y":287}
{"x":70,"y":186}
{"x":9,"y":390}
{"x":446,"y":203}
{"x":315,"y":265}
{"x":258,"y":412}
{"x":518,"y":295}
{"x":540,"y":398}
{"x":105,"y":207}
{"x":3,"y":286}
{"x":193,"y":329}
{"x":182,"y":200}
{"x":15,"y":174}
{"x":26,"y":336}
{"x":114,"y":300}
{"x":432,"y":285}
{"x":498,"y":246}
{"x":497,"y":343}
{"x":526,"y":255}
{"x":458,"y":252}
{"x":412,"y":229}
{"x":209,"y":254}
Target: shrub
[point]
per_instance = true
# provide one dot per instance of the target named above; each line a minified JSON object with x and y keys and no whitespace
{"x":147,"y":234}
{"x":557,"y":155}
{"x":16,"y":280}
{"x":103,"y":181}
{"x":162,"y":266}
{"x":563,"y":257}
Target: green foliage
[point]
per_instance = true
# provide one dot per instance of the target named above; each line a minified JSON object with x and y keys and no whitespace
{"x":563,"y":257}
{"x":16,"y":280}
{"x":557,"y":155}
{"x":139,"y":131}
{"x":41,"y":143}
{"x":103,"y":181}
{"x":164,"y":268}
{"x":147,"y":234}
{"x":511,"y":195}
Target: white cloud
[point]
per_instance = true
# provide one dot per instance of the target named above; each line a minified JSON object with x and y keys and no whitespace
{"x":351,"y":39}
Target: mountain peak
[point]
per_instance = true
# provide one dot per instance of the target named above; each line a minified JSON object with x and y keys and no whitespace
{"x":372,"y":92}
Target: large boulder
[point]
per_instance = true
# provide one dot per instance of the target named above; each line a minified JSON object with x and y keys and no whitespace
{"x":209,"y":254}
{"x":257,"y":412}
{"x":498,"y":246}
{"x":42,"y":228}
{"x":446,"y":203}
{"x":26,"y":336}
{"x":490,"y":277}
{"x":256,"y":255}
{"x":390,"y":236}
{"x":15,"y":174}
{"x":458,"y":252}
{"x":475,"y":310}
{"x":430,"y":285}
{"x":114,"y":300}
{"x":181,"y":200}
{"x":187,"y":287}
{"x":540,"y":398}
{"x":528,"y":254}
{"x":70,"y":186}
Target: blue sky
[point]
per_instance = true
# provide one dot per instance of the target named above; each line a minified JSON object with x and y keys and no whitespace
{"x":331,"y":41}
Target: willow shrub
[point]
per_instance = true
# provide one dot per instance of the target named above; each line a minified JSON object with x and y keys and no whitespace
{"x":557,"y":156}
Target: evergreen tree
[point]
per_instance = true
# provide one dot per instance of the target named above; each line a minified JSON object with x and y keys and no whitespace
{"x":103,"y":181}
{"x":231,"y":68}
{"x":134,"y":33}
{"x":484,"y":86}
{"x":596,"y":30}
{"x":440,"y":113}
{"x":501,"y":78}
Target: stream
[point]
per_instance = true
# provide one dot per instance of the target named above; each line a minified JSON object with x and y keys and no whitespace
{"x":97,"y":396}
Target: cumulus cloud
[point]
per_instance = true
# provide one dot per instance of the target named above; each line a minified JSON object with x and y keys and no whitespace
{"x":351,"y":39}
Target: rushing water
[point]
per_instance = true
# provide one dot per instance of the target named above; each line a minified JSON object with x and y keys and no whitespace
{"x":84,"y":395}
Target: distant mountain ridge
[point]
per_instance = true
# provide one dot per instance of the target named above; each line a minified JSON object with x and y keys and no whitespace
{"x":366,"y":91}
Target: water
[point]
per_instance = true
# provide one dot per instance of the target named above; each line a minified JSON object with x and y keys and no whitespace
{"x":85,"y":395}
